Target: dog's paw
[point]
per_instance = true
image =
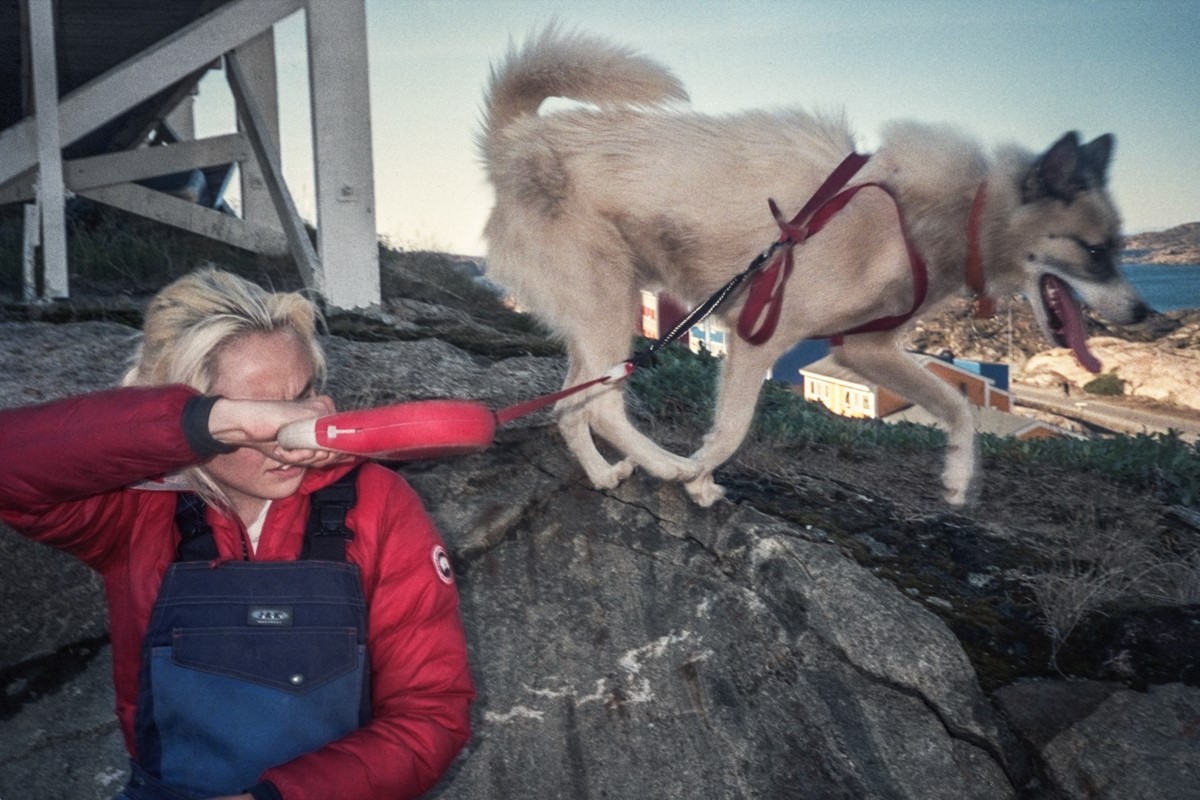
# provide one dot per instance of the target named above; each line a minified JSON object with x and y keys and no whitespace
{"x":704,"y":491}
{"x":955,"y":496}
{"x":609,"y":478}
{"x":960,"y":494}
{"x":958,"y":477}
{"x":959,"y":487}
{"x":673,"y":468}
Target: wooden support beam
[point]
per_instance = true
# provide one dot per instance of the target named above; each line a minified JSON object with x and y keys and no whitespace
{"x":131,"y":82}
{"x":345,"y":179}
{"x":150,"y":162}
{"x":135,"y":165}
{"x":268,"y":161}
{"x":32,"y":241}
{"x":190,"y":217}
{"x":49,"y":150}
{"x":257,"y":60}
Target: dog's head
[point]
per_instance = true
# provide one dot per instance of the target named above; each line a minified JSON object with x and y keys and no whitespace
{"x":1067,"y":235}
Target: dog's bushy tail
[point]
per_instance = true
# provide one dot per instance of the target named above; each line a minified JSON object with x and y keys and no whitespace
{"x":586,"y":68}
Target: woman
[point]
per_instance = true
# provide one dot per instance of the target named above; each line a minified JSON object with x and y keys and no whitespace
{"x":286,"y":628}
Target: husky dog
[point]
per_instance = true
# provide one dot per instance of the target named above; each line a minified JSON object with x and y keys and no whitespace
{"x":595,"y":203}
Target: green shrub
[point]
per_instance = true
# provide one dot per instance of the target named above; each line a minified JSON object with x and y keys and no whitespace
{"x":1160,"y":462}
{"x":677,"y":387}
{"x":680,"y":389}
{"x":1106,"y":384}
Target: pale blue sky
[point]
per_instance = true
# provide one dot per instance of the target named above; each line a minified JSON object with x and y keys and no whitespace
{"x":1004,"y":70}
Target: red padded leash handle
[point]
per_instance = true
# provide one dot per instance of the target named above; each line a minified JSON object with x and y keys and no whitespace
{"x":420,"y":429}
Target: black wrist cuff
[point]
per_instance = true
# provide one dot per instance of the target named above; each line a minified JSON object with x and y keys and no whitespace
{"x":195,"y":427}
{"x":264,"y":790}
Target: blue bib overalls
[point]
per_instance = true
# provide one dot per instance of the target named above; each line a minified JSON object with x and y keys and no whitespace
{"x":247,"y":665}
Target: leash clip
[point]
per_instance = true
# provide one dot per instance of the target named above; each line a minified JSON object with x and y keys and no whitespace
{"x":618,"y":373}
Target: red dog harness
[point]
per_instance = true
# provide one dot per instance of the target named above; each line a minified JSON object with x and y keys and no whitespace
{"x":766,"y":290}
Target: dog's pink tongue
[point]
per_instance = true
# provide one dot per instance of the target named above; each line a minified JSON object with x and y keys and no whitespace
{"x":1072,"y":325}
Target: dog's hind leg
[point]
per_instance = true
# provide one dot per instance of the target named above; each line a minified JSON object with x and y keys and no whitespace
{"x":879,"y":358}
{"x":602,"y":410}
{"x":574,"y":422}
{"x":610,"y":421}
{"x":742,"y":374}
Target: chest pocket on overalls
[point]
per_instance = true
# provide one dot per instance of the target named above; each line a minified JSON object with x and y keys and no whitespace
{"x":250,"y":664}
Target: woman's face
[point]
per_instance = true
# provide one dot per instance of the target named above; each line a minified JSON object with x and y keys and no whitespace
{"x":259,"y":366}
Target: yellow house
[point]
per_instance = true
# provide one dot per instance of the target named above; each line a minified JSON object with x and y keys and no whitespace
{"x":845,"y":392}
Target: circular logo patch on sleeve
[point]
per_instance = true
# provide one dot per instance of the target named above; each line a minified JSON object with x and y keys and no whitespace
{"x":441,"y":563}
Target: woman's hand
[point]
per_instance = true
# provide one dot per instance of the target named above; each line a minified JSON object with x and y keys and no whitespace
{"x":256,"y":423}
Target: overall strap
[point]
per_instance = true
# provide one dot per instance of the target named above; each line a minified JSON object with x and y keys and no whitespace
{"x":326,"y":535}
{"x":196,"y":541}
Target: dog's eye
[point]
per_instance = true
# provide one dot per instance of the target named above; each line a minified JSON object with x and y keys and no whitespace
{"x":1100,"y":261}
{"x":1093,"y":250}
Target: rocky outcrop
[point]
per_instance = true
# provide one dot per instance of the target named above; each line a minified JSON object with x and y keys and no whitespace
{"x":654,"y":649}
{"x":1163,"y":723}
{"x":1014,"y":332}
{"x":1178,"y":245}
{"x":1157,"y":359}
{"x":627,"y":643}
{"x":1160,"y":374}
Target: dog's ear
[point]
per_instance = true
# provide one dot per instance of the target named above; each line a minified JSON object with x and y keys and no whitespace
{"x":1055,"y":173}
{"x":1094,"y":158}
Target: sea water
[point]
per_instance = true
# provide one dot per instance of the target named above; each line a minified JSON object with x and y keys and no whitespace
{"x":1166,"y":287}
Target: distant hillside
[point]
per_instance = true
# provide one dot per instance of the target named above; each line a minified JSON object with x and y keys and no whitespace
{"x":953,"y":328}
{"x":1178,"y":245}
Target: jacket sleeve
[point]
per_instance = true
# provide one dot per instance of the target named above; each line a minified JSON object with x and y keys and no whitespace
{"x":63,"y":464}
{"x":421,"y":684}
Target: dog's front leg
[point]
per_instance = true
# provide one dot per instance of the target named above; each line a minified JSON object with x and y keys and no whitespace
{"x":879,"y":358}
{"x":742,"y":374}
{"x":575,"y":425}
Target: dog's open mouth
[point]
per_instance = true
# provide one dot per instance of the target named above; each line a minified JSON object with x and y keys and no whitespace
{"x":1066,"y":321}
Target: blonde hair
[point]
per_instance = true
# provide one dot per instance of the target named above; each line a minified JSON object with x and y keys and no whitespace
{"x":191,"y":320}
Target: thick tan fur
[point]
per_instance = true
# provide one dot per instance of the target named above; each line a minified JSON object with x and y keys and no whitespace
{"x":636,"y":192}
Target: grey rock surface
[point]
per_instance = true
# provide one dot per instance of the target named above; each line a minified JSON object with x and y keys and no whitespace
{"x":625,"y":644}
{"x":47,"y":599}
{"x":654,"y":649}
{"x":1156,"y":755}
{"x":66,"y":745}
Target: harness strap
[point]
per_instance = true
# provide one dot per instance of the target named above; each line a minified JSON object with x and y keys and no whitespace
{"x":984,"y":305}
{"x":766,"y":291}
{"x":325,"y":536}
{"x":920,"y":277}
{"x":196,"y":541}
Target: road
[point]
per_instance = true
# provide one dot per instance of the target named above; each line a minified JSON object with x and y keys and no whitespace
{"x":1123,"y":415}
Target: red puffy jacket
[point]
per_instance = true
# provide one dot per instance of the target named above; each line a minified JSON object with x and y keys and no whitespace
{"x":65,"y":472}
